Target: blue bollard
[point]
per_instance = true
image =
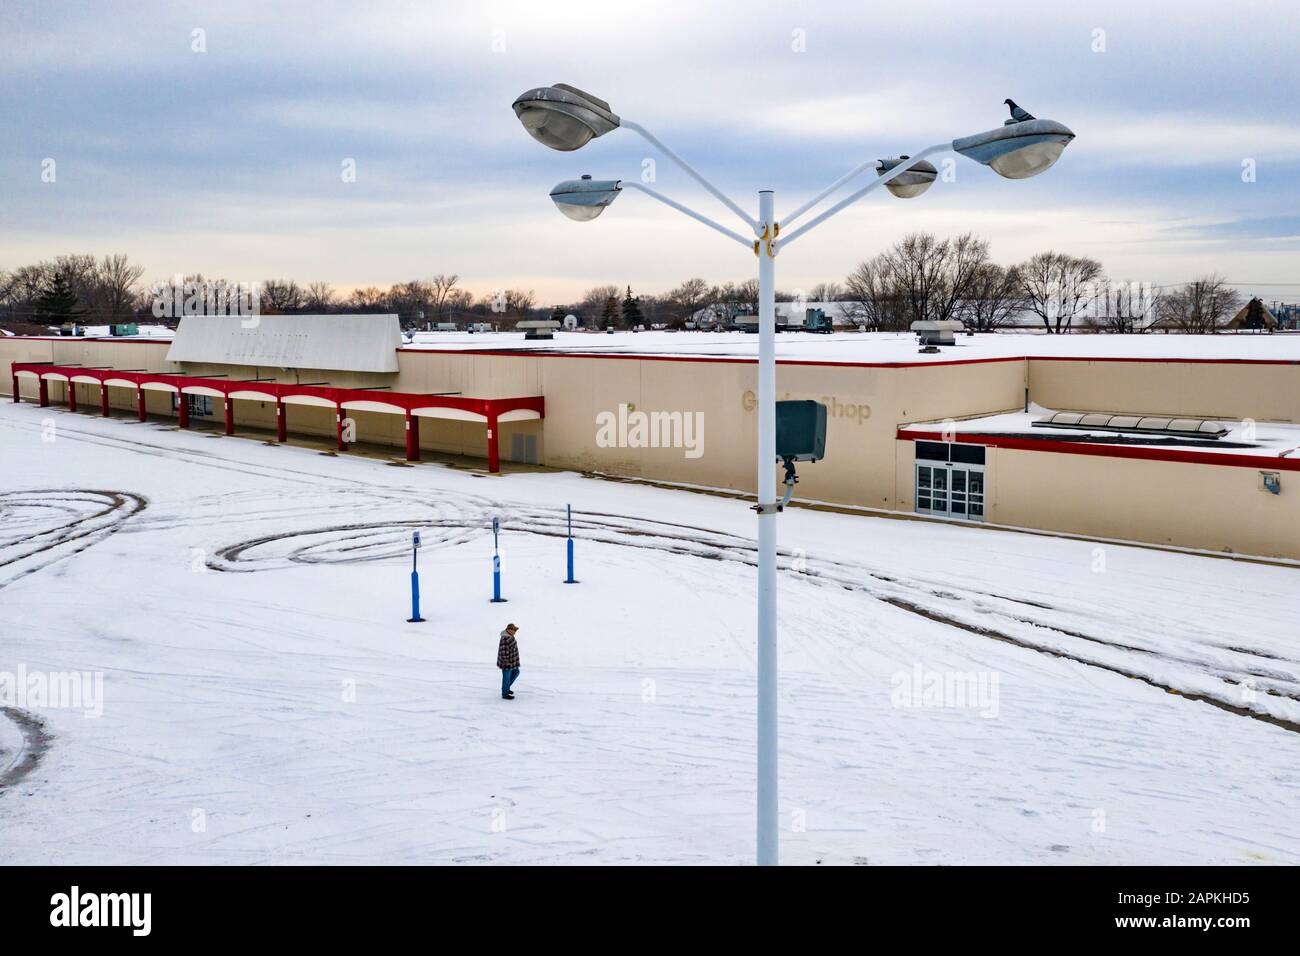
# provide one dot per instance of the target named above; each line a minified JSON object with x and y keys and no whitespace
{"x":415,"y":581}
{"x":570,"y":579}
{"x":415,"y":599}
{"x":496,"y":564}
{"x":496,"y":580}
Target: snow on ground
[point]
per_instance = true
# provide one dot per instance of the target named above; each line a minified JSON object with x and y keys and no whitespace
{"x":878,"y":347}
{"x":265,"y":701}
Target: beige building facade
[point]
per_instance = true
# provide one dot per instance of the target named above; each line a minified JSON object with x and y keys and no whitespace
{"x":1218,"y":505}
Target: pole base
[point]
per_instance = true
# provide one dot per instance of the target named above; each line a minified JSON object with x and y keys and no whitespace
{"x":415,"y":620}
{"x":572,"y":581}
{"x":496,"y":600}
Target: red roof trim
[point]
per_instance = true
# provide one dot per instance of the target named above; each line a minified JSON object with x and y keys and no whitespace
{"x":1142,"y":452}
{"x":524,"y":353}
{"x":1161,"y":361}
{"x":489,"y":408}
{"x":726,"y":360}
{"x":83,"y":338}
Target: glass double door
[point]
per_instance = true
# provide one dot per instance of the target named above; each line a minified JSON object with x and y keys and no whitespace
{"x":953,"y":490}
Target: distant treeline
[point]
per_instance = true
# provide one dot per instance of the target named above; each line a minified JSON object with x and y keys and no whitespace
{"x":921,"y":277}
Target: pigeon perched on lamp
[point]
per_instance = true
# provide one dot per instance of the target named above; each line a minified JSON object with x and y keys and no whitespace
{"x":1018,"y":115}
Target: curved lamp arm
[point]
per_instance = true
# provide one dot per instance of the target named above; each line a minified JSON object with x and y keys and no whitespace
{"x":717,"y":193}
{"x":850,"y":200}
{"x":747,"y":243}
{"x":851,"y":174}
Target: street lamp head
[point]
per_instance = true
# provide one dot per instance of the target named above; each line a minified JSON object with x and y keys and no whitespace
{"x":913,"y":182}
{"x":563,"y":117}
{"x":1017,"y":150}
{"x":586,"y":198}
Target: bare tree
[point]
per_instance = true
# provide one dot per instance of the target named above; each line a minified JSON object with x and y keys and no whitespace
{"x":369,"y":299}
{"x":1125,"y":307}
{"x":78,"y":273}
{"x":281,"y":295}
{"x":458,"y":302}
{"x":320,"y":297}
{"x":411,"y":301}
{"x":873,"y":297}
{"x":22,"y":288}
{"x":8,"y":289}
{"x":727,"y":301}
{"x":1202,"y":306}
{"x":592,"y":307}
{"x":825,"y":292}
{"x":934,"y":276}
{"x":519,"y":302}
{"x":106,"y":290}
{"x":441,"y":289}
{"x":992,"y":298}
{"x":117,"y":288}
{"x":747,"y":294}
{"x":1058,"y":286}
{"x":920,"y":278}
{"x":688,"y":298}
{"x":652,"y":307}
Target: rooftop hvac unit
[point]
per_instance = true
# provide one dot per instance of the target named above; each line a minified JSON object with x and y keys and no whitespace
{"x":937,"y":333}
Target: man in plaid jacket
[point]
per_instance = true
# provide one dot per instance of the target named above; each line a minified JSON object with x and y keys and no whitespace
{"x":508,"y":660}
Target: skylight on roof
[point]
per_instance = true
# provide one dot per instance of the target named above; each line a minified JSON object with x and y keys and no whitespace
{"x":1141,"y":424}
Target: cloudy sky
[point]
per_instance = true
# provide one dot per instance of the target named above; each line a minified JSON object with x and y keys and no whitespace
{"x":229,"y":161}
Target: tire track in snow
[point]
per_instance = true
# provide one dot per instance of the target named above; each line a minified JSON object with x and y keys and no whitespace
{"x":1016,"y":618}
{"x":374,"y":541}
{"x":1240,"y":711}
{"x":39,"y":527}
{"x":26,"y":757}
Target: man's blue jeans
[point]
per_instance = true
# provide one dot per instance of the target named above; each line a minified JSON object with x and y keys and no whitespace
{"x":507,"y":678}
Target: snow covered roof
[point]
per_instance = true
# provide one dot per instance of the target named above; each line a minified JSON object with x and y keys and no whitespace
{"x":141,"y":331}
{"x":869,"y":348}
{"x":1232,"y":441}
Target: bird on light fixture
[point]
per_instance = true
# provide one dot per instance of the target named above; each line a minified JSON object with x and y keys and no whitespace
{"x":1018,"y":115}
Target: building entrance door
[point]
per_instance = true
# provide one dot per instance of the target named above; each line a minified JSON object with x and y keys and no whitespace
{"x":950,"y":490}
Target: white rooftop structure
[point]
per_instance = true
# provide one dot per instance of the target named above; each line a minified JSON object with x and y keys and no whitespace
{"x":353,"y":343}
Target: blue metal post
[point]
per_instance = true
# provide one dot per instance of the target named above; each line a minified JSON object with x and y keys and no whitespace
{"x":415,"y":581}
{"x":570,"y":579}
{"x":496,"y":564}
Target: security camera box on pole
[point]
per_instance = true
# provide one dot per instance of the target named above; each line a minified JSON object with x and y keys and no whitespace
{"x":800,"y":431}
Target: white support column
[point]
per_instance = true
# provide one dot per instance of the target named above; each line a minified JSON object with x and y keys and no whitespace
{"x":768,"y":826}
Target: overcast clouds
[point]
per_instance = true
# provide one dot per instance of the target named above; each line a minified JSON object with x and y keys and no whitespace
{"x":228,"y":162}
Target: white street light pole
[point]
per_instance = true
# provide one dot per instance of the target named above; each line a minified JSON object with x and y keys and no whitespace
{"x":768,"y":826}
{"x":565,"y":118}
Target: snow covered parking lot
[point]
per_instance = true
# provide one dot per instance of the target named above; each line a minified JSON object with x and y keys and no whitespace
{"x":948,"y":694}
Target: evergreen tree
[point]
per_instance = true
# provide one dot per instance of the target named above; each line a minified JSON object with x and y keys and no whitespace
{"x":57,"y":304}
{"x":631,"y":309}
{"x":609,"y":318}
